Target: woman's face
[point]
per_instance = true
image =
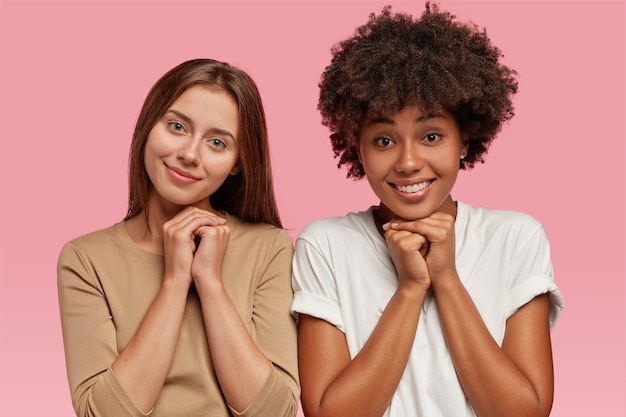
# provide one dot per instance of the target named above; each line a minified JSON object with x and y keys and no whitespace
{"x":411,"y":160}
{"x":193,"y":148}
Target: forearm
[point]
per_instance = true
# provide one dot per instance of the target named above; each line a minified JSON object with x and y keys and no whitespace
{"x":367,"y":384}
{"x":241,"y":368}
{"x":492,"y":382}
{"x":143,"y":365}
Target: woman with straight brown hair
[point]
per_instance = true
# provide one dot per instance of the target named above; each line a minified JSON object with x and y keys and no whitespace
{"x":182,"y":308}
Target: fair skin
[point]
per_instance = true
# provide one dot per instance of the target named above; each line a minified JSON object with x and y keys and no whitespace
{"x":411,"y":161}
{"x":189,"y":153}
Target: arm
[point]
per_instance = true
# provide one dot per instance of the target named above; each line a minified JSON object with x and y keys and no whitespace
{"x":89,"y":333}
{"x":103,"y":380}
{"x":144,"y":364}
{"x":332,"y":383}
{"x":89,"y":338}
{"x":513,"y":380}
{"x":261,"y":386}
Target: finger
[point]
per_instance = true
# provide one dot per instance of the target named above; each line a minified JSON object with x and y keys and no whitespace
{"x":441,"y":219}
{"x":215,"y":218}
{"x":191,"y":219}
{"x":213,"y":241}
{"x":435,"y":229}
{"x":212,"y":231}
{"x":406,"y":241}
{"x":393,"y":234}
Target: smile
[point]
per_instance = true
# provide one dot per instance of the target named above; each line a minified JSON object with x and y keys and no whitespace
{"x":180,"y":176}
{"x":414,"y":188}
{"x":181,"y":172}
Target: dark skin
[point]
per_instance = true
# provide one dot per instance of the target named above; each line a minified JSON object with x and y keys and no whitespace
{"x":513,"y":380}
{"x":516,"y":379}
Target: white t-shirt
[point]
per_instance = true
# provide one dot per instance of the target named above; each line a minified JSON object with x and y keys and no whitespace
{"x":343,"y":273}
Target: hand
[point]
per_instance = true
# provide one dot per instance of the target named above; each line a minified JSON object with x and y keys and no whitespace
{"x":439,"y":252}
{"x":209,"y":256}
{"x":408,"y":250}
{"x":178,"y":241}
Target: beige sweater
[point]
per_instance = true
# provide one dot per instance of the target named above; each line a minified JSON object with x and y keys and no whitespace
{"x":106,"y":283}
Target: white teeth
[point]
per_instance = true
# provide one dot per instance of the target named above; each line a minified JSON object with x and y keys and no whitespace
{"x":413,"y":188}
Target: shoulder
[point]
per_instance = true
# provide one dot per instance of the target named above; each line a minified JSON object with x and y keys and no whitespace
{"x":257,"y":233}
{"x":338,"y":228}
{"x":96,"y":242}
{"x":497,"y":221}
{"x":87,"y":254}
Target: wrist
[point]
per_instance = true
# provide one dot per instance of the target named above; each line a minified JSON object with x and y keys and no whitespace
{"x":211,"y":284}
{"x":176,"y":283}
{"x":413,"y":290}
{"x":446,"y":282}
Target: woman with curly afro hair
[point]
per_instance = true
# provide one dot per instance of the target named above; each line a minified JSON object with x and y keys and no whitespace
{"x":421,"y":305}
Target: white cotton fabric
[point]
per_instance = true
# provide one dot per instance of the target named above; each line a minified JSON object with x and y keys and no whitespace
{"x":343,"y":273}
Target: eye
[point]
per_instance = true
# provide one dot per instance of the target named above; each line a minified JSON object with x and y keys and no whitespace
{"x":217,"y":143}
{"x":383,"y":142}
{"x":176,"y":126}
{"x":432,"y":138}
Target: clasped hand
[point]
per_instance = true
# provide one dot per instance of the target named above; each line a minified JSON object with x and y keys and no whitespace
{"x":186,"y":263}
{"x":422,"y":250}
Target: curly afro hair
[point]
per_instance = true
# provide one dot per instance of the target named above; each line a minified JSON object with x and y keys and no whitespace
{"x":435,"y":62}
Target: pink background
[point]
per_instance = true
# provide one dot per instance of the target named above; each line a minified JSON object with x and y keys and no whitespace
{"x":74,"y":75}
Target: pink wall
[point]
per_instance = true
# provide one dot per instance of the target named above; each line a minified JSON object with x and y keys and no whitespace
{"x":74,"y":75}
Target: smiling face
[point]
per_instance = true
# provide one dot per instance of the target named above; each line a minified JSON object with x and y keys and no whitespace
{"x":193,"y":148}
{"x":411,"y":160}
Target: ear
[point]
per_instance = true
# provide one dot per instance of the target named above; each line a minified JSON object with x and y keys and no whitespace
{"x":358,"y":151}
{"x":464,"y":147}
{"x":235,"y":169}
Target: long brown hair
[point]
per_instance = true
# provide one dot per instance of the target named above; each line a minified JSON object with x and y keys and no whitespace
{"x":250,"y":194}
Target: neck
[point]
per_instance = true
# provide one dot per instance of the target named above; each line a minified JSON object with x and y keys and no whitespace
{"x":147,"y":231}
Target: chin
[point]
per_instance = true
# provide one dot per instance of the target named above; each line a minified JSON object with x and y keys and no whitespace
{"x":412,"y":214}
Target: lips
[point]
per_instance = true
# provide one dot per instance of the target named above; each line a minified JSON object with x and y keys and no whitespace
{"x":182,"y":173}
{"x":180,"y":176}
{"x":413,"y":188}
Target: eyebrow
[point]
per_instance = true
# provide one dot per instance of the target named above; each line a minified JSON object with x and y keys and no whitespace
{"x":187,"y":120}
{"x":424,"y":117}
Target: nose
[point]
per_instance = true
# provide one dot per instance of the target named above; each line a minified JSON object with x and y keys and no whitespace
{"x":409,"y":160}
{"x":188,"y":152}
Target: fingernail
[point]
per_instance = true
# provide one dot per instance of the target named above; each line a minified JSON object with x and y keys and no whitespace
{"x":386,"y":226}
